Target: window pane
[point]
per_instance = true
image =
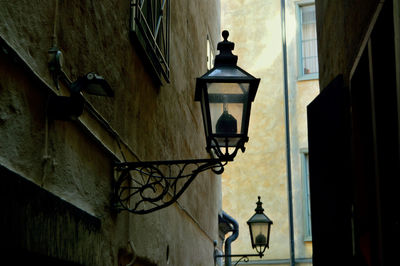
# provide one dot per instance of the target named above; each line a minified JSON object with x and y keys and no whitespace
{"x":210,"y":54}
{"x":306,"y":197}
{"x":309,"y":40}
{"x":308,"y":14}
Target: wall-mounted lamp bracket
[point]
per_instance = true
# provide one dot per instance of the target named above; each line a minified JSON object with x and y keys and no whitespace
{"x":144,"y":187}
{"x":225,"y":94}
{"x":71,"y":107}
{"x":242,"y":257}
{"x":56,"y":61}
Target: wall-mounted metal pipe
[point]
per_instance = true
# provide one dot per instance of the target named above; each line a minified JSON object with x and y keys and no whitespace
{"x":287,"y":128}
{"x":231,"y":238}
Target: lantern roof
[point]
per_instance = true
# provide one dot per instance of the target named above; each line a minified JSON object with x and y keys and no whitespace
{"x":259,"y":216}
{"x":225,"y":70}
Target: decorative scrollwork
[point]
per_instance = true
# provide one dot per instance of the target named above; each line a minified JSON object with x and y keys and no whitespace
{"x":144,"y":187}
{"x":244,"y":258}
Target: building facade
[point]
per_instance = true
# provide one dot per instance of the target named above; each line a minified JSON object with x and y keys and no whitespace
{"x":256,"y":27}
{"x":58,"y":176}
{"x":354,"y":134}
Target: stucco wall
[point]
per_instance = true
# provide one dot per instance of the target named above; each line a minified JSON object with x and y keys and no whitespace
{"x":306,"y":91}
{"x":255,"y":27}
{"x":261,"y":170}
{"x":154,"y":123}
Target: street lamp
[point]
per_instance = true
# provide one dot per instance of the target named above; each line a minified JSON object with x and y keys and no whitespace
{"x":225,"y":94}
{"x":260,"y":229}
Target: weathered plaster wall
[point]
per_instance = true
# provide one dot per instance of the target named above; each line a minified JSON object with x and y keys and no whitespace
{"x":341,"y":44}
{"x":255,"y":27}
{"x":306,"y":91}
{"x":154,"y":123}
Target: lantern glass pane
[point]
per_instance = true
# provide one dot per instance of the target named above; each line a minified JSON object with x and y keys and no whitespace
{"x":260,"y":231}
{"x":228,"y":102}
{"x":226,"y":118}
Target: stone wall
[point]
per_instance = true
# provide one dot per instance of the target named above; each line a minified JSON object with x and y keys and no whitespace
{"x":73,"y":160}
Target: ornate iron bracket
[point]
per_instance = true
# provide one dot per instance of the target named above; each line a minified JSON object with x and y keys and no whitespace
{"x":243,"y":257}
{"x":144,"y":187}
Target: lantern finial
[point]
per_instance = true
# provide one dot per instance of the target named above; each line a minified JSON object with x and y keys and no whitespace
{"x":259,"y":208}
{"x":225,"y":56}
{"x":225,"y":35}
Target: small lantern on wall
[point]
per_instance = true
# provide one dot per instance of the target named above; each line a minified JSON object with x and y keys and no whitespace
{"x":260,"y":227}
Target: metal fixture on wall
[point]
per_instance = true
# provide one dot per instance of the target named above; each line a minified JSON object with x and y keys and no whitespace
{"x":71,"y":107}
{"x":260,"y":229}
{"x":225,"y":94}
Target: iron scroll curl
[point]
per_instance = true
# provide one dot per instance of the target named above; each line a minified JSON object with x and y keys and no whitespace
{"x":245,"y":258}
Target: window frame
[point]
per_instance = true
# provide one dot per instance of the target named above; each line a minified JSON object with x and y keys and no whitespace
{"x":305,"y":181}
{"x":148,"y":38}
{"x":210,"y":53}
{"x":300,"y":63}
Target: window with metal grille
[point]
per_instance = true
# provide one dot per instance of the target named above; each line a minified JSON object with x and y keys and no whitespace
{"x":308,"y":52}
{"x":150,"y":29}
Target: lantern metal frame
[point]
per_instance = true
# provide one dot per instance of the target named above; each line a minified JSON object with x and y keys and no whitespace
{"x":259,"y":217}
{"x":144,"y":187}
{"x":226,"y":62}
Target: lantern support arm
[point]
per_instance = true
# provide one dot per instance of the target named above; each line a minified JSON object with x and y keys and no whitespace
{"x":145,"y":187}
{"x":243,"y":257}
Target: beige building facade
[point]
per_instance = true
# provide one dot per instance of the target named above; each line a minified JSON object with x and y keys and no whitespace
{"x":256,"y":28}
{"x":57,"y":175}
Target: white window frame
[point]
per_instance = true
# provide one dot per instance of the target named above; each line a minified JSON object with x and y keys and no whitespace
{"x":210,"y":53}
{"x":305,"y":180}
{"x":301,"y":75}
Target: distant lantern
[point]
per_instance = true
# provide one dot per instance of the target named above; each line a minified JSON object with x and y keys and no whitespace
{"x":260,"y":228}
{"x":226,"y":93}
